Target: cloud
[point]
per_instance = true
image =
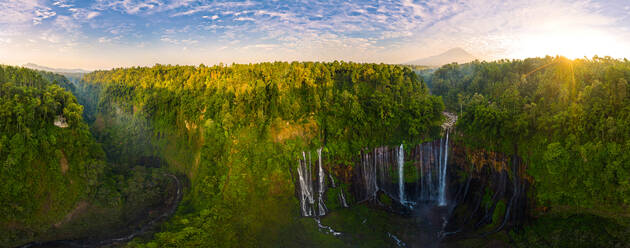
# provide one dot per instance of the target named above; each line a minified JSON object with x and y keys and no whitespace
{"x":129,"y":6}
{"x":178,"y":42}
{"x":104,"y":40}
{"x":214,"y":17}
{"x":215,"y":6}
{"x":372,"y":31}
{"x":41,"y":14}
{"x":51,"y":37}
{"x":62,"y":4}
{"x":18,"y":11}
{"x":244,"y":19}
{"x":66,"y":23}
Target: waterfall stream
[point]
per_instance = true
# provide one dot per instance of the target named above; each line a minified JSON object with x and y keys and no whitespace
{"x":401,"y":175}
{"x":379,"y":171}
{"x":383,"y":171}
{"x":306,"y":186}
{"x":321,"y":206}
{"x":444,"y":163}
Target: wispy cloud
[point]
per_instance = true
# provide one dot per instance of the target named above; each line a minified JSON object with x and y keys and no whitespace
{"x":129,"y":6}
{"x":179,"y":42}
{"x":14,"y":12}
{"x":215,"y":6}
{"x":41,"y":14}
{"x":377,"y":31}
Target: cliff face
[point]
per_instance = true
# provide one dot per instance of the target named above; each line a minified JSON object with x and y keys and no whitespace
{"x":447,"y":187}
{"x":489,"y":192}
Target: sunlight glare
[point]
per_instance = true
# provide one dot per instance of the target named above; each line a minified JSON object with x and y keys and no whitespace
{"x":569,"y":43}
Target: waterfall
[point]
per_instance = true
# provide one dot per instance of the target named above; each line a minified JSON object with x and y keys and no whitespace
{"x":321,"y":206}
{"x":332,"y":180}
{"x":342,"y":198}
{"x":381,"y":170}
{"x":306,"y":192}
{"x":306,"y":186}
{"x":326,"y":228}
{"x":401,"y":174}
{"x":369,"y":175}
{"x":399,"y":242}
{"x":444,"y":164}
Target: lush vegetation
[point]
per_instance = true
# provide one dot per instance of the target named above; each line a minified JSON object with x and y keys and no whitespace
{"x":237,"y":131}
{"x":55,"y":182}
{"x":45,"y":169}
{"x":569,"y":120}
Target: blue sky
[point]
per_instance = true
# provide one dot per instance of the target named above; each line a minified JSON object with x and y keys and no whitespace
{"x":114,"y":33}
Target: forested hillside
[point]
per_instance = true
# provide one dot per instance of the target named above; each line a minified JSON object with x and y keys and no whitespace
{"x":568,"y":119}
{"x":45,"y":168}
{"x":56,"y":183}
{"x":236,"y":133}
{"x":237,"y":130}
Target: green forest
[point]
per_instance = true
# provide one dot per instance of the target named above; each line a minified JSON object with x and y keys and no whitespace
{"x":570,"y":122}
{"x":45,"y":168}
{"x":236,"y":131}
{"x":234,"y":135}
{"x":569,"y":119}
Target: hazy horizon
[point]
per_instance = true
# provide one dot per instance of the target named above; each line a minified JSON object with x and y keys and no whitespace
{"x":121,"y":33}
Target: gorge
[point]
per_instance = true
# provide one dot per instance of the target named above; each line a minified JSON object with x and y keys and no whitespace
{"x":320,"y":155}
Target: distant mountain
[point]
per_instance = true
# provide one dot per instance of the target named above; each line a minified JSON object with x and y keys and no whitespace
{"x":453,"y":55}
{"x":56,"y":70}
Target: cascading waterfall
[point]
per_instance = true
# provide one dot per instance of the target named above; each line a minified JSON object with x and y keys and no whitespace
{"x":432,"y":159}
{"x":369,"y":175}
{"x":306,"y":186}
{"x":401,"y":175}
{"x":376,"y":170}
{"x":307,"y":193}
{"x":379,"y":176}
{"x":342,"y":198}
{"x":381,"y":170}
{"x":332,"y":180}
{"x":321,"y":206}
{"x":444,"y":164}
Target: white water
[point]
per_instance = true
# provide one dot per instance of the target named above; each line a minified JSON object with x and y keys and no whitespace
{"x":444,"y":164}
{"x":321,"y":206}
{"x":306,"y":186}
{"x":306,"y":192}
{"x":399,"y":242}
{"x":326,"y":228}
{"x":332,"y":180}
{"x":342,"y":198}
{"x":307,"y":195}
{"x":401,"y":175}
{"x":377,"y":174}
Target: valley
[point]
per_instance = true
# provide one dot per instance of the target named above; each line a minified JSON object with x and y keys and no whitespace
{"x":308,"y":154}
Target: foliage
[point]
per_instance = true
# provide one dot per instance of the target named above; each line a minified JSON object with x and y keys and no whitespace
{"x":44,"y":169}
{"x":237,"y":130}
{"x":569,"y":120}
{"x":576,"y":230}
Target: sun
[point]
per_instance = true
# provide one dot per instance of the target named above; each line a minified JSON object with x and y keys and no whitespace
{"x":570,"y":43}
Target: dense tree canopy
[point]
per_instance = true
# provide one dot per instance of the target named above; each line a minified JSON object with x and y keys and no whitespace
{"x":570,"y":120}
{"x":45,"y":168}
{"x":238,"y":130}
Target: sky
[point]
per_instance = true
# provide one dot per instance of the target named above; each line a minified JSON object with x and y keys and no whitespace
{"x":102,"y":34}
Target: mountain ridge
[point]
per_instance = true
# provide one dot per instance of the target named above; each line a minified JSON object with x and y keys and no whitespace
{"x":456,"y":54}
{"x":56,"y":70}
